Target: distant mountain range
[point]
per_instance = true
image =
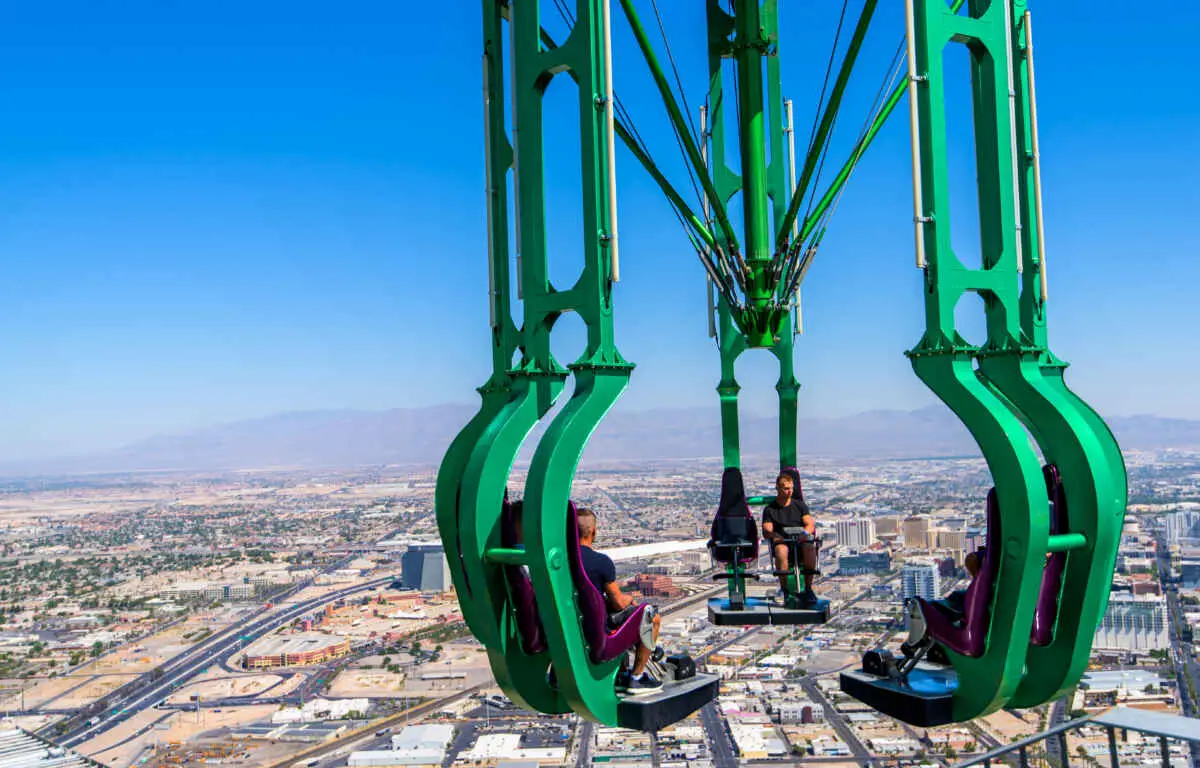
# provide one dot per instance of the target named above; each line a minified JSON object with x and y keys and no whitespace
{"x":419,"y":436}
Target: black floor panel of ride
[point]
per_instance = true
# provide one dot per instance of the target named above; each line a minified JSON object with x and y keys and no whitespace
{"x":759,"y":612}
{"x":654,"y":711}
{"x":895,"y":700}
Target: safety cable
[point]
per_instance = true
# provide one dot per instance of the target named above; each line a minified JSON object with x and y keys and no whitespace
{"x":799,"y":265}
{"x":687,"y":110}
{"x":720,"y":264}
{"x":828,"y":71}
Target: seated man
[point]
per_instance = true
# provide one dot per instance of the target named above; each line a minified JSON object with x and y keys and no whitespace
{"x":789,"y":512}
{"x":603,"y":574}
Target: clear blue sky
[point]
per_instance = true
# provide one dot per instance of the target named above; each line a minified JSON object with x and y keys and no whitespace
{"x":220,"y":213}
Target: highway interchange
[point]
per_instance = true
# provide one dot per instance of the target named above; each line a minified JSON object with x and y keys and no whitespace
{"x":153,"y":688}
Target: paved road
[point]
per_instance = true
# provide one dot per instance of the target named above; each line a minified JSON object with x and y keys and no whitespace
{"x":859,"y":750}
{"x":1181,"y":652}
{"x":154,"y":687}
{"x":583,"y":738}
{"x":719,"y":742}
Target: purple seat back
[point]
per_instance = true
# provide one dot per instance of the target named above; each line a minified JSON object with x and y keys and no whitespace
{"x":970,"y":638}
{"x":734,"y":531}
{"x":593,"y":609}
{"x":1046,"y":612}
{"x":520,"y":588}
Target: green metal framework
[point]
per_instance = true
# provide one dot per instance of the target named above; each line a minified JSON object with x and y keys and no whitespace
{"x":1004,"y":391}
{"x":1012,"y":383}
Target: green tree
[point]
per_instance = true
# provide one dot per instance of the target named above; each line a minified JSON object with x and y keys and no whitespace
{"x":97,"y":648}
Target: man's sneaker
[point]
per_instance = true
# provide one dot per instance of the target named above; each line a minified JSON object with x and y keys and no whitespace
{"x":623,"y":680}
{"x":640,"y":686}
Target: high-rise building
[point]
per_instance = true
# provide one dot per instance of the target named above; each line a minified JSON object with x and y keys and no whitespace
{"x":1181,"y":525}
{"x":858,"y":533}
{"x":888,"y":524}
{"x":920,"y":578}
{"x":424,"y":567}
{"x":696,"y":561}
{"x":1133,"y":623}
{"x":916,"y":532}
{"x":951,"y":539}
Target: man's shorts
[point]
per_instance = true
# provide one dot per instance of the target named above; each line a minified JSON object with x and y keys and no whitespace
{"x":616,"y":620}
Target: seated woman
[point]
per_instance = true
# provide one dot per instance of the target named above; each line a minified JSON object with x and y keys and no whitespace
{"x":956,"y":600}
{"x":786,"y":511}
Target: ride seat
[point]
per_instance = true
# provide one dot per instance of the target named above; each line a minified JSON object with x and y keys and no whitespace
{"x":734,"y":536}
{"x":798,"y":493}
{"x":970,"y":637}
{"x":520,"y":588}
{"x":1046,"y":612}
{"x":603,"y":645}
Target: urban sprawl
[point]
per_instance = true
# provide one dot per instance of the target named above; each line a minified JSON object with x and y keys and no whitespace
{"x":308,"y":619}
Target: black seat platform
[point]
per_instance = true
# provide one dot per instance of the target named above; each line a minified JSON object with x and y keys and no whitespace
{"x":760,"y":611}
{"x":927,"y":700}
{"x":734,"y":542}
{"x":654,"y":711}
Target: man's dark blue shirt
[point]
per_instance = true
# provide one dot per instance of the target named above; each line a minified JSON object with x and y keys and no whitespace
{"x":599,"y":567}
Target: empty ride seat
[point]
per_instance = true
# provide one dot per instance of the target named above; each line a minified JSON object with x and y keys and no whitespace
{"x":520,"y":588}
{"x":734,"y":536}
{"x":1046,"y":612}
{"x":603,"y":645}
{"x":968,"y":638}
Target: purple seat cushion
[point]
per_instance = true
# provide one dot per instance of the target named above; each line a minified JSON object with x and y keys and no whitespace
{"x":520,"y":588}
{"x":969,"y":638}
{"x":593,"y":609}
{"x":1046,"y":612}
{"x":734,"y":531}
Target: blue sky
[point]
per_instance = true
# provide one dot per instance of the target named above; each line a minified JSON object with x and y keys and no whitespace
{"x":209,"y":215}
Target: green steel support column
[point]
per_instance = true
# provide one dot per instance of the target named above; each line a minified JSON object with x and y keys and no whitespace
{"x":945,"y":362}
{"x":1069,"y":431}
{"x":777,"y":189}
{"x":749,"y":46}
{"x":733,"y":337}
{"x":787,"y":386}
{"x":600,"y":374}
{"x":472,"y":477}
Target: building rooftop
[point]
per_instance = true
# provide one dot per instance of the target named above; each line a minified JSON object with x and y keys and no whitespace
{"x":299,"y":643}
{"x":19,"y":749}
{"x":1124,"y":678}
